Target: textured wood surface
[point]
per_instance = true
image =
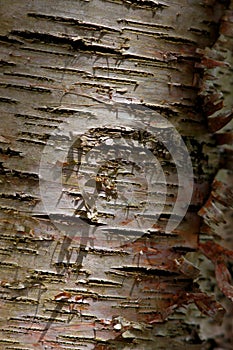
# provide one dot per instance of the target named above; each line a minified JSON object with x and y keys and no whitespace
{"x":129,"y":287}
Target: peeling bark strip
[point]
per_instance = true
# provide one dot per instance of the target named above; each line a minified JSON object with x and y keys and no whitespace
{"x":63,"y":289}
{"x":216,"y":94}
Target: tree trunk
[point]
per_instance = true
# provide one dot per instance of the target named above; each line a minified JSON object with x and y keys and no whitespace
{"x":116,"y":174}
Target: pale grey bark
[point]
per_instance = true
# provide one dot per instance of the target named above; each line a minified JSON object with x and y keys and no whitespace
{"x":71,"y":291}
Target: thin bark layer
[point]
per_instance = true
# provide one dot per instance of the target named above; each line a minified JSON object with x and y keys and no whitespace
{"x":65,"y":61}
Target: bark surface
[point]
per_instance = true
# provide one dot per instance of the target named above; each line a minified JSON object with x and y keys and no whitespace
{"x":131,"y":285}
